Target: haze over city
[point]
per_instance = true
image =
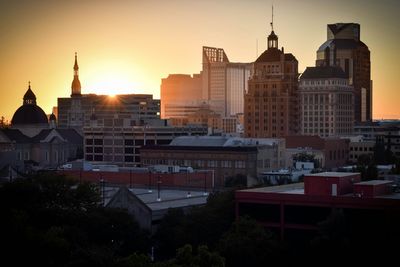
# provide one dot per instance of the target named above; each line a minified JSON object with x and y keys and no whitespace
{"x":129,"y":46}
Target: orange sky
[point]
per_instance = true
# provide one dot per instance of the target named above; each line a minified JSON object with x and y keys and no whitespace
{"x":128,"y":46}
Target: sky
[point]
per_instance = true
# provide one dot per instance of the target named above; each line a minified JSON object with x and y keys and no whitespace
{"x":128,"y":46}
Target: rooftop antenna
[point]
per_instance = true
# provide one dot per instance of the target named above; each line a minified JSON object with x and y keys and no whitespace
{"x":256,"y":48}
{"x":272,"y":22}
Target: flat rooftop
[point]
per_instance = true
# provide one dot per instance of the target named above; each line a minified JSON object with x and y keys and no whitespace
{"x":298,"y":189}
{"x":374,"y":182}
{"x":333,"y":174}
{"x":169,"y":198}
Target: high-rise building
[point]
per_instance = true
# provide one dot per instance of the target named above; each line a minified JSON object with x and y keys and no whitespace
{"x":345,"y":49}
{"x":80,"y":110}
{"x":271,"y":108}
{"x":224,"y":82}
{"x":180,"y":95}
{"x":326,"y":102}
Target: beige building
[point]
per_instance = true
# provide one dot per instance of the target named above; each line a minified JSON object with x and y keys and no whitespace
{"x":180,"y":95}
{"x":220,"y":87}
{"x":224,"y":82}
{"x":326,"y":102}
{"x":271,"y":104}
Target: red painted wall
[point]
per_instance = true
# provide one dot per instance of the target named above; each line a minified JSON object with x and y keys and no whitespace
{"x":322,"y":185}
{"x":370,"y":190}
{"x":195,"y":180}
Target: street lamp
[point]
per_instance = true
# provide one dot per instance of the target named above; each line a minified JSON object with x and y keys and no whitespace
{"x":205,"y":184}
{"x":149,"y":174}
{"x":158,"y":188}
{"x":103,"y":191}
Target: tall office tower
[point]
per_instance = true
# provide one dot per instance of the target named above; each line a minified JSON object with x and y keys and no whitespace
{"x":271,"y":108}
{"x":326,"y":102}
{"x":180,"y":95}
{"x":224,"y":82}
{"x":344,"y":48}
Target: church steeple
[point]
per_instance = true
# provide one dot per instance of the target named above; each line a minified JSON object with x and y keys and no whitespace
{"x":272,"y":38}
{"x":76,"y":84}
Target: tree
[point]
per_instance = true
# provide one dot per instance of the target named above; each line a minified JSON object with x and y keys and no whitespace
{"x":200,"y":226}
{"x":49,"y":220}
{"x":248,"y":244}
{"x":238,"y":180}
{"x":305,"y":157}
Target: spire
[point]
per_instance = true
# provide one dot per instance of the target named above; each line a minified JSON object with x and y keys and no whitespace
{"x":29,"y":97}
{"x":76,"y":84}
{"x":272,"y":21}
{"x":76,"y":68}
{"x":272,"y":38}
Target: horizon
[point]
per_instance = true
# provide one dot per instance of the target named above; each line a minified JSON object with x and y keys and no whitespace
{"x":127,"y":47}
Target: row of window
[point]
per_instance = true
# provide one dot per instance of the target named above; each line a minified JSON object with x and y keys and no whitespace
{"x":237,"y":164}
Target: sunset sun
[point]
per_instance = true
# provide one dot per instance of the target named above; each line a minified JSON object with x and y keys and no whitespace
{"x":111,"y":79}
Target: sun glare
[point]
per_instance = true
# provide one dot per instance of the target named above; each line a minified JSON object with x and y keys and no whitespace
{"x":111,"y":80}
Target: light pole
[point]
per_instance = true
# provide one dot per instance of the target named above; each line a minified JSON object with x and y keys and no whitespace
{"x":103,"y":191}
{"x":149,"y":174}
{"x":158,"y":188}
{"x":205,"y":184}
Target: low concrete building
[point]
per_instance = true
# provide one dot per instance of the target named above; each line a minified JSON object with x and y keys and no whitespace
{"x":149,"y":207}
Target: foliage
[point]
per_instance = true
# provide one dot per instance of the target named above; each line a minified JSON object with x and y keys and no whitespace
{"x":50,"y":220}
{"x":248,"y":244}
{"x":238,"y":180}
{"x":305,"y":157}
{"x":202,"y":225}
{"x":204,"y":258}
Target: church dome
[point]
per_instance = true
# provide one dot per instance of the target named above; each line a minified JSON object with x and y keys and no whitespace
{"x":29,"y":112}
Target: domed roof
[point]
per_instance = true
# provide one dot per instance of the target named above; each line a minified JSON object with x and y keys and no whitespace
{"x":29,"y":114}
{"x":270,"y":55}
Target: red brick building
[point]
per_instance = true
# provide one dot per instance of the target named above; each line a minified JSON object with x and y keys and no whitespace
{"x":271,"y":103}
{"x":301,"y":207}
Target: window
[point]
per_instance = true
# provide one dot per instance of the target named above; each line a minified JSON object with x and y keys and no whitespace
{"x":239,"y":164}
{"x":98,"y":141}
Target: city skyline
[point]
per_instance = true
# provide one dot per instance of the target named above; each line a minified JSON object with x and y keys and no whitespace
{"x":129,"y":46}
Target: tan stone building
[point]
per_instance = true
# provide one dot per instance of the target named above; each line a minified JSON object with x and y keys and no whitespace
{"x":271,"y":104}
{"x":326,"y":102}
